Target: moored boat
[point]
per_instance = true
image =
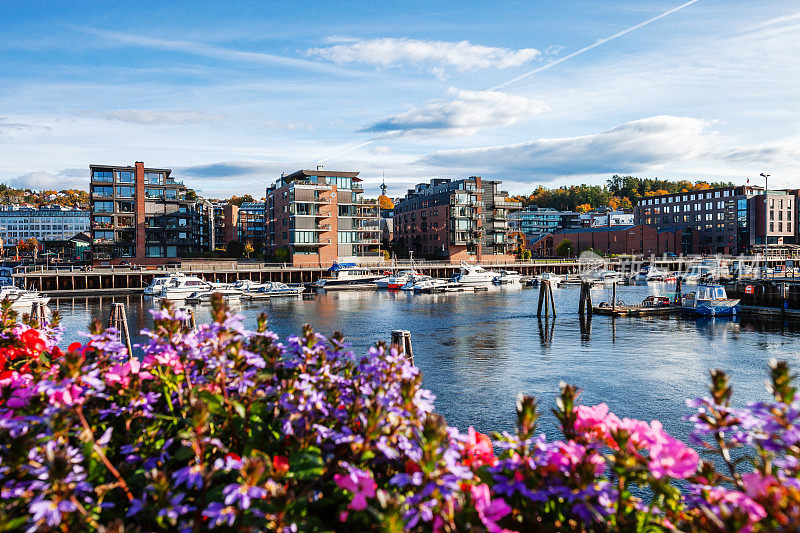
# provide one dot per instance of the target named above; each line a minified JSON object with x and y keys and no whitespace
{"x":474,"y":275}
{"x":274,"y":289}
{"x":346,"y":274}
{"x":708,"y":299}
{"x":183,"y":286}
{"x":508,"y":277}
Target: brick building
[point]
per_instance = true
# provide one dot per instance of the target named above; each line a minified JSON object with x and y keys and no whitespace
{"x":464,"y":219}
{"x":142,"y":215}
{"x":639,"y":239}
{"x":729,"y":220}
{"x":321,"y":216}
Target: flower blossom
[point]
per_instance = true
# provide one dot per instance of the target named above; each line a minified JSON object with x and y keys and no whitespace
{"x":361,"y":484}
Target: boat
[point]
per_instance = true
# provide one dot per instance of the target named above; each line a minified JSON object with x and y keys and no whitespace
{"x":396,"y":281}
{"x":413,"y":280}
{"x":547,"y":276}
{"x":22,"y":298}
{"x":709,"y":299}
{"x":274,"y":289}
{"x":508,"y":277}
{"x":430,"y":285}
{"x":203,"y":296}
{"x":183,"y":286}
{"x":346,"y":274}
{"x":248,"y":286}
{"x":474,"y":275}
{"x":157,"y":285}
{"x":602,"y":276}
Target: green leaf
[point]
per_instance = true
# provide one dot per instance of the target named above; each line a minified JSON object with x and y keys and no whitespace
{"x":184,"y":453}
{"x":306,"y":464}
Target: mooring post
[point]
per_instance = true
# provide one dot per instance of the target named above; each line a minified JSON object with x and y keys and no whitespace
{"x":550,"y":297}
{"x":678,"y":282}
{"x":189,"y":322}
{"x":613,"y":296}
{"x":119,"y":321}
{"x":546,"y":299}
{"x":585,"y":303}
{"x":401,"y":340}
{"x":38,"y":313}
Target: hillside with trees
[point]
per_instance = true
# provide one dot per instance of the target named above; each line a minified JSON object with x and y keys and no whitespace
{"x":620,"y":192}
{"x":66,"y":197}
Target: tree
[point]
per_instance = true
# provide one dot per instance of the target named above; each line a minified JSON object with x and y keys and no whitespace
{"x":282,"y":255}
{"x":239,"y":200}
{"x":584,"y":208}
{"x":248,"y":249}
{"x":234,"y":248}
{"x":564,"y":248}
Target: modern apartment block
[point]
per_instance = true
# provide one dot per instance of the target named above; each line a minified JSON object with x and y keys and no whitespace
{"x":320,"y":217}
{"x":535,"y":221}
{"x":48,"y":223}
{"x":729,"y":220}
{"x":252,"y":226}
{"x":142,"y":215}
{"x":465,"y":219}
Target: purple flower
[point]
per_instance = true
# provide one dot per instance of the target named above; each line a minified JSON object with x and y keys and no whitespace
{"x":220,"y":514}
{"x":242,"y":494}
{"x":190,"y":477}
{"x":50,"y":511}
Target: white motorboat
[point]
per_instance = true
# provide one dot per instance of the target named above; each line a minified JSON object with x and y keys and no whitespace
{"x":203,"y":296}
{"x":396,"y":281}
{"x":508,"y":277}
{"x":548,"y":276}
{"x":413,"y":280}
{"x":22,"y":298}
{"x":602,"y":276}
{"x":346,"y":274}
{"x":431,"y":284}
{"x":183,"y":286}
{"x":157,"y":285}
{"x":274,"y":289}
{"x":711,"y":300}
{"x":248,"y":286}
{"x":475,"y":275}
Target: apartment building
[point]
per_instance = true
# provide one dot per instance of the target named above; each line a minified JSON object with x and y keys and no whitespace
{"x":252,"y":225}
{"x":142,"y":215}
{"x":535,"y":221}
{"x":464,"y":219}
{"x":48,"y":223}
{"x":321,"y":216}
{"x":729,"y":220}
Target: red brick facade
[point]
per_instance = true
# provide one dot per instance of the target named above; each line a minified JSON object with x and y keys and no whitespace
{"x":140,"y":211}
{"x":636,"y":240}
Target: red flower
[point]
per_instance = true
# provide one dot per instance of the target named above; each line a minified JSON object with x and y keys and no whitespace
{"x":74,"y":347}
{"x":33,"y":341}
{"x":234,"y":456}
{"x":478,"y":450}
{"x":412,"y":467}
{"x":280,"y":463}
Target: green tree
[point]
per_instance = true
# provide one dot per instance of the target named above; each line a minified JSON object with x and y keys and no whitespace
{"x":564,"y":248}
{"x":282,"y":255}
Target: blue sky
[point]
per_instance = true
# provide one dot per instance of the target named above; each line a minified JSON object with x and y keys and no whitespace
{"x":231,"y":94}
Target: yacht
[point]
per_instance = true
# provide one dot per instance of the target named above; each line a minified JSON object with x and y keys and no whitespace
{"x":413,"y":280}
{"x":430,"y":284}
{"x":21,"y":298}
{"x":346,"y":274}
{"x":709,"y":299}
{"x":396,"y":281}
{"x":508,"y":277}
{"x":274,"y":289}
{"x":474,"y":275}
{"x":203,"y":296}
{"x":602,"y":276}
{"x":248,"y":286}
{"x":183,"y":286}
{"x":157,"y":285}
{"x":548,"y":276}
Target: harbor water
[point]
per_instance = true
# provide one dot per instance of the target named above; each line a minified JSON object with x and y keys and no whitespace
{"x":477,"y":351}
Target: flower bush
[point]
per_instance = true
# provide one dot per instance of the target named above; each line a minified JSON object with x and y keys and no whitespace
{"x":220,"y":428}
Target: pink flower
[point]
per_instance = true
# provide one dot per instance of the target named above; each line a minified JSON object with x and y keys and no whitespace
{"x":596,"y":421}
{"x":67,"y":396}
{"x":565,"y":456}
{"x":489,"y":510}
{"x":757,"y":485}
{"x":670,"y":457}
{"x":730,"y":501}
{"x":121,"y":374}
{"x":478,"y":449}
{"x":361,"y":484}
{"x":166,"y":357}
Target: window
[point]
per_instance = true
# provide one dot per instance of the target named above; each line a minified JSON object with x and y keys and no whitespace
{"x":153,"y":178}
{"x":103,"y":191}
{"x":127,"y":192}
{"x":171,"y":194}
{"x":105,"y":176}
{"x":772,"y":226}
{"x":125,"y":176}
{"x":103,"y":207}
{"x":102,"y":222}
{"x":154,"y":251}
{"x":125,"y":207}
{"x":305,"y":236}
{"x":104,"y":235}
{"x":153,"y":193}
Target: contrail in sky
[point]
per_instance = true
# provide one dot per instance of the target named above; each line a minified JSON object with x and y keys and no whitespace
{"x":556,"y":62}
{"x":593,"y":45}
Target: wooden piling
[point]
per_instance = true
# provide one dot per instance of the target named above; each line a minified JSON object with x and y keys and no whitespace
{"x":546,"y":299}
{"x":38,"y":313}
{"x":613,"y":296}
{"x":585,"y":302}
{"x":401,"y":340}
{"x":119,"y":321}
{"x":189,"y":322}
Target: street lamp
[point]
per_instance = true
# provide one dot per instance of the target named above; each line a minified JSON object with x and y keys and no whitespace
{"x":766,"y":222}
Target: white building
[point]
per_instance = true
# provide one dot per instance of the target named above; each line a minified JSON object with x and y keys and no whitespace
{"x":50,"y":223}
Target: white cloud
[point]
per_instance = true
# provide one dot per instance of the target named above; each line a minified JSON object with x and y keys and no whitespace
{"x":651,"y":144}
{"x":47,"y":180}
{"x":149,"y":116}
{"x":464,"y":114}
{"x":390,"y":52}
{"x":15,"y":130}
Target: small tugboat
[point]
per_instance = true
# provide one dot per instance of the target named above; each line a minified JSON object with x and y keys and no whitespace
{"x":710,"y":300}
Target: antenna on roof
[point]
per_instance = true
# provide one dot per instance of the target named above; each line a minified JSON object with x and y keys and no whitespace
{"x":320,"y":167}
{"x":383,"y":183}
